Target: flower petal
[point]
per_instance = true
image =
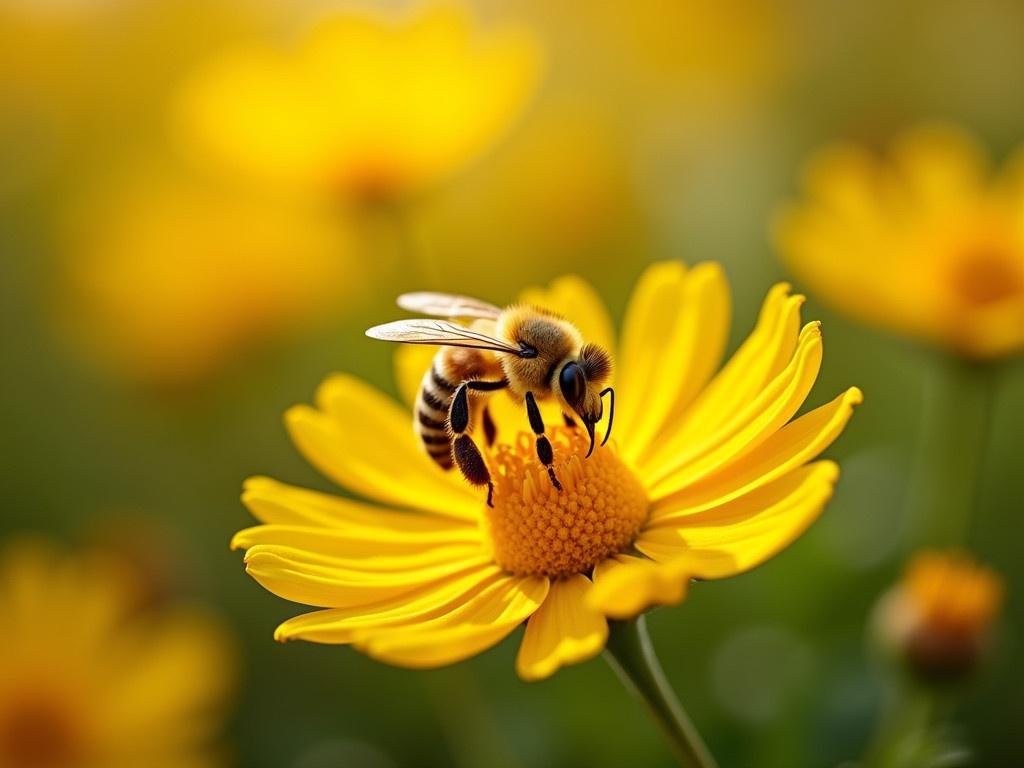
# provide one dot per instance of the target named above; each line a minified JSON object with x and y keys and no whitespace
{"x":411,"y":362}
{"x":310,"y":547}
{"x":743,"y":533}
{"x":673,"y":337}
{"x":324,"y":586}
{"x":479,"y":623}
{"x":564,"y":630}
{"x":758,"y":420}
{"x":626,"y":586}
{"x":760,"y":358}
{"x":278,"y":503}
{"x":365,"y":442}
{"x":342,"y":625}
{"x":792,"y":446}
{"x":683,"y":341}
{"x":574,"y":298}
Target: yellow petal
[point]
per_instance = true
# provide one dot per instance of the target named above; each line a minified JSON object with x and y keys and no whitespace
{"x":573,"y":298}
{"x":341,"y":625}
{"x":757,"y":421}
{"x":355,"y":543}
{"x":676,"y":328}
{"x":760,"y":358}
{"x":365,"y":442}
{"x":272,"y":502}
{"x":329,"y":587}
{"x":652,"y":309}
{"x":625,"y":586}
{"x":743,"y":533}
{"x":411,"y":362}
{"x":476,"y":625}
{"x":565,"y":630}
{"x":790,"y":447}
{"x":346,"y":555}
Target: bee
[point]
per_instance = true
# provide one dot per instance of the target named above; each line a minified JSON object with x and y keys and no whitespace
{"x":529,"y":353}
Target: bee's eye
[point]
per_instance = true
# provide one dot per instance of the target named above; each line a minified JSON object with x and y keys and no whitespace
{"x":572,"y":382}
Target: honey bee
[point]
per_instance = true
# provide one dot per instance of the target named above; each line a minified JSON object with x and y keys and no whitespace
{"x":527,"y":352}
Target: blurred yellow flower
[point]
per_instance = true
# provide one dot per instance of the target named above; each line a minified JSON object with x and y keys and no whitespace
{"x":940,"y":615}
{"x":922,"y":241}
{"x":708,"y":477}
{"x":372,"y":105}
{"x":87,"y":681}
{"x":166,"y":280}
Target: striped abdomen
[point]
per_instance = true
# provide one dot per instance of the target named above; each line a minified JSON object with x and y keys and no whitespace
{"x":451,"y":366}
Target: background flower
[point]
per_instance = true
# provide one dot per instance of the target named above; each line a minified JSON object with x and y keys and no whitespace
{"x":89,"y":677}
{"x":371,"y":105}
{"x":920,"y":241}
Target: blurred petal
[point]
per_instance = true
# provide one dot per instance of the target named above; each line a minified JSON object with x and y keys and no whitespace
{"x":360,"y":437}
{"x":740,"y":534}
{"x":626,"y":586}
{"x":479,"y":623}
{"x":411,"y":362}
{"x":564,"y":630}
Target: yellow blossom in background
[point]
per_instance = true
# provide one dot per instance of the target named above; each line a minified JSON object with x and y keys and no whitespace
{"x":923,"y":240}
{"x":87,"y":680}
{"x":370,"y":104}
{"x":707,"y":475}
{"x":940,"y":616}
{"x":167,"y":281}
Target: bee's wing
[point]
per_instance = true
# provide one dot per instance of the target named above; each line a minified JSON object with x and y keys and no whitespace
{"x":447,"y":305}
{"x":443,"y":333}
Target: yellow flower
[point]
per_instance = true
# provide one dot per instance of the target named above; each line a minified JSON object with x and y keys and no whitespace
{"x":167,"y":281}
{"x":938,"y":618}
{"x":374,"y":105}
{"x":706,"y":476}
{"x":921,"y":241}
{"x":86,"y":680}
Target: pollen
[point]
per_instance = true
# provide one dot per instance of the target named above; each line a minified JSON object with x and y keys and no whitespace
{"x":537,"y":529}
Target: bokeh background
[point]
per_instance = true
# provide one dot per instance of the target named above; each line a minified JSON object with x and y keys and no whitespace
{"x":160,"y":309}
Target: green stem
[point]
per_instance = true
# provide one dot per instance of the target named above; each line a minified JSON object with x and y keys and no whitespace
{"x":951,"y":457}
{"x":905,"y":736}
{"x":631,"y":655}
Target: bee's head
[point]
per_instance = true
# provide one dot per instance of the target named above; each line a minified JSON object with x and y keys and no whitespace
{"x":578,"y":387}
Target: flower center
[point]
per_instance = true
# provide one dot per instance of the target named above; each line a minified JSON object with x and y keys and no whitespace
{"x":538,"y":530}
{"x":986,"y":276}
{"x":37,"y":732}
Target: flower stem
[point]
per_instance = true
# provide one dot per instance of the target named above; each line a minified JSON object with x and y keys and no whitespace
{"x":951,"y":458}
{"x":631,"y":655}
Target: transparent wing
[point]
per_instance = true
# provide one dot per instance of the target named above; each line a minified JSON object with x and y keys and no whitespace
{"x":447,"y":305}
{"x":443,"y":333}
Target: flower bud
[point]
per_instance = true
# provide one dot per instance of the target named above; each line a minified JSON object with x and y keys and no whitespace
{"x":937,"y":620}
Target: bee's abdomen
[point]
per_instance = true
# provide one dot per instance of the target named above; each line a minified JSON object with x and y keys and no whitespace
{"x":431,"y":417}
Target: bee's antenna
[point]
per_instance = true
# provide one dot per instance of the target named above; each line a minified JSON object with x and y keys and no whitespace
{"x":611,"y":412}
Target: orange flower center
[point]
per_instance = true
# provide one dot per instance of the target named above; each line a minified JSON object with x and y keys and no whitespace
{"x":37,"y":731}
{"x":537,"y":529}
{"x":986,"y":276}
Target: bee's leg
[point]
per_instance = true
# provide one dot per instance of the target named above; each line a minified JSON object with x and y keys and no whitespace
{"x":464,"y":451}
{"x":544,"y":450}
{"x":490,"y":429}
